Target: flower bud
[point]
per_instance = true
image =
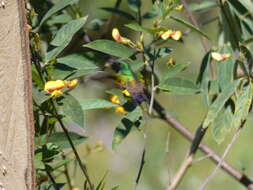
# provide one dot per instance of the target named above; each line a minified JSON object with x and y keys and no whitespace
{"x":120,"y":110}
{"x":126,"y":93}
{"x":114,"y":99}
{"x":220,"y":57}
{"x":50,"y":86}
{"x":177,"y":35}
{"x":72,"y":84}
{"x":118,"y":38}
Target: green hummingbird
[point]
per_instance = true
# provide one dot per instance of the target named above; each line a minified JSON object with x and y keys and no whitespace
{"x":130,"y":81}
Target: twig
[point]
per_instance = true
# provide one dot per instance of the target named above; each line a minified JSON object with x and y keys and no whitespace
{"x":66,"y":172}
{"x":228,"y":148}
{"x":153,"y":89}
{"x":181,"y":172}
{"x":201,"y":158}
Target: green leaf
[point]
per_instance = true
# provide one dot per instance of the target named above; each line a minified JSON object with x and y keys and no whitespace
{"x":126,"y":125}
{"x":38,"y":161}
{"x":39,"y":95}
{"x":231,"y":25}
{"x":202,"y":6}
{"x":59,"y":139}
{"x":96,"y":104}
{"x":189,"y":25}
{"x":67,"y":31}
{"x":222,"y":124}
{"x":225,"y":69}
{"x":134,"y":5}
{"x":52,"y":54}
{"x":242,"y":105}
{"x":173,"y":70}
{"x":179,"y":86}
{"x":111,"y":48}
{"x":204,"y":76}
{"x":57,"y":7}
{"x":59,"y":19}
{"x":77,"y":61}
{"x":217,"y":105}
{"x":73,"y":66}
{"x":71,"y":108}
{"x":119,"y":12}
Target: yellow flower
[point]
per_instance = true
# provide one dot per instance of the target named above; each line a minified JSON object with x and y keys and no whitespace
{"x":120,"y":110}
{"x":126,"y":93}
{"x":51,"y":86}
{"x":72,"y":84}
{"x":179,"y":7}
{"x":56,"y":93}
{"x":220,"y":57}
{"x":114,"y":99}
{"x":177,"y":35}
{"x":118,"y":38}
{"x":166,"y":35}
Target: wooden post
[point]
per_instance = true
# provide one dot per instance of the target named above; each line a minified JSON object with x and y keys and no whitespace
{"x":16,"y":120}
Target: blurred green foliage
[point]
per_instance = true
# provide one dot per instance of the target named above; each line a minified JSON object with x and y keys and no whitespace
{"x":72,"y":39}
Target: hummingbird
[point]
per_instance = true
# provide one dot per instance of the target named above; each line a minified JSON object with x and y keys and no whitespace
{"x":131,"y":81}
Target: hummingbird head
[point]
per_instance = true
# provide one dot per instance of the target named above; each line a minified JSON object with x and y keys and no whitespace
{"x":121,"y":68}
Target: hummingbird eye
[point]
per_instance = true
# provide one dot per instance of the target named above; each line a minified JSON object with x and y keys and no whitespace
{"x":116,"y":67}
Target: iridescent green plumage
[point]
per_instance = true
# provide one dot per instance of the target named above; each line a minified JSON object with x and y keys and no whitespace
{"x":131,"y":81}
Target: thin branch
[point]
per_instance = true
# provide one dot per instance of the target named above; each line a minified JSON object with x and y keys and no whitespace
{"x":181,"y":172}
{"x":153,"y":89}
{"x":66,"y":173}
{"x":228,"y":148}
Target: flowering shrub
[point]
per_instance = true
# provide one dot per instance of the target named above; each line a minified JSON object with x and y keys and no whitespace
{"x":69,"y":48}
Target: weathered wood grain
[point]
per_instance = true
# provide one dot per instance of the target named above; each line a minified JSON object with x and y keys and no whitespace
{"x":16,"y":125}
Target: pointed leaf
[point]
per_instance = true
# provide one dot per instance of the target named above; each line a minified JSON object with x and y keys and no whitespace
{"x":218,"y":104}
{"x":179,"y":86}
{"x":189,"y":25}
{"x":96,"y":104}
{"x":70,"y":107}
{"x":222,"y":124}
{"x":57,"y":7}
{"x":111,"y":48}
{"x":67,"y":31}
{"x":59,"y":139}
{"x":126,"y":125}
